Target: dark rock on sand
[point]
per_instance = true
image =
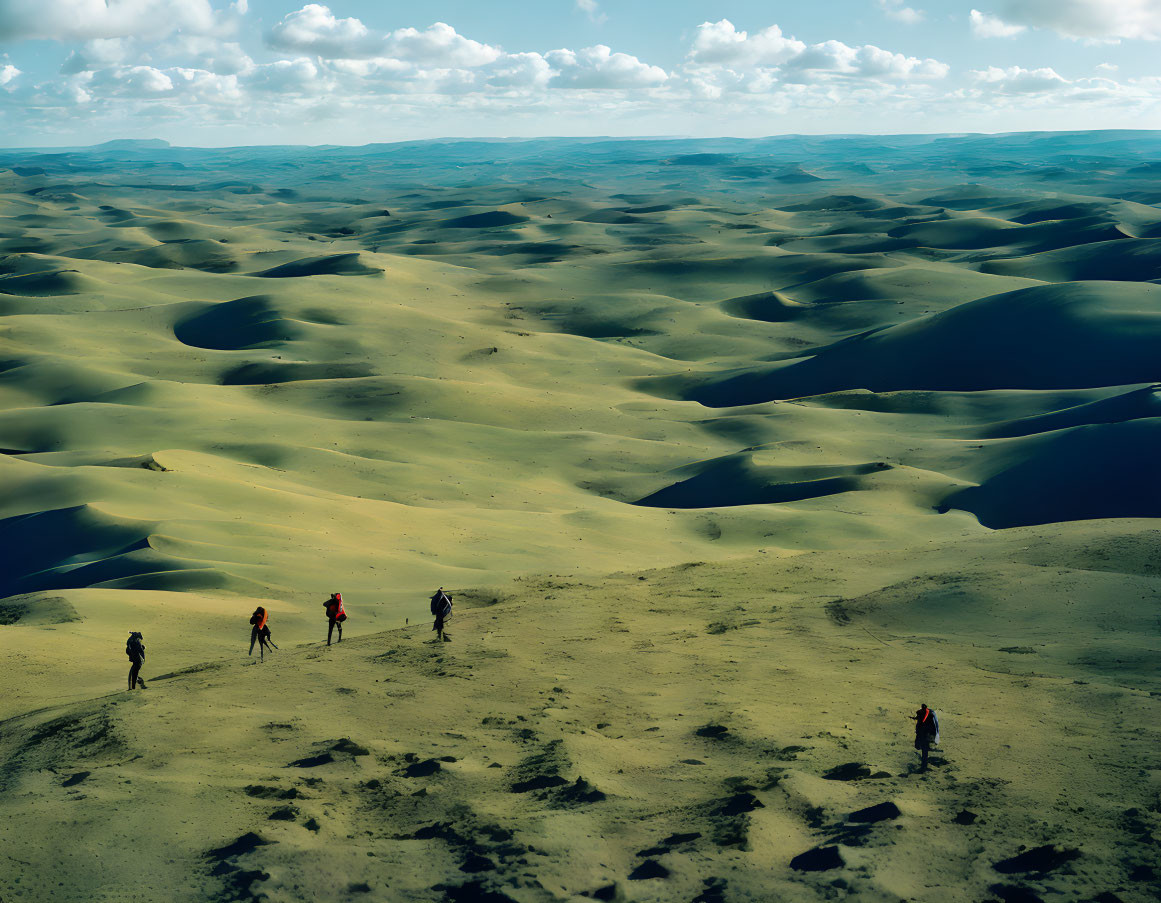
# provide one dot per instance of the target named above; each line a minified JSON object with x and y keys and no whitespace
{"x":820,"y":859}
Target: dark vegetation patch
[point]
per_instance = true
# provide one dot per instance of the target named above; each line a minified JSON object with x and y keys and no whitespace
{"x":820,"y":859}
{"x":1040,"y":859}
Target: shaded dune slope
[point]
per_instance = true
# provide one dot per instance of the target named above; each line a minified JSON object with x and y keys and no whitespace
{"x":1057,"y":336}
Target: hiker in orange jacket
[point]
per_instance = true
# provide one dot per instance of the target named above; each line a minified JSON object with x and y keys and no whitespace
{"x":260,"y":633}
{"x":335,"y":615}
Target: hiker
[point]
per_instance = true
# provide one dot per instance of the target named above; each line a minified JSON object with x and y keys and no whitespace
{"x":260,"y":633}
{"x":441,"y":607}
{"x":135,"y":649}
{"x":926,"y":733}
{"x":335,"y":615}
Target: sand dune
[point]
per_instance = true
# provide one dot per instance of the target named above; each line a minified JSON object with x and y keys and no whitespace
{"x":348,"y":264}
{"x":1057,"y":336}
{"x":1137,"y":260}
{"x":731,"y":452}
{"x":239,"y":324}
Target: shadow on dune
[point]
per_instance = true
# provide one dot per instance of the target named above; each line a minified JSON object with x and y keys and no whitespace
{"x":1084,"y":473}
{"x":737,"y":480}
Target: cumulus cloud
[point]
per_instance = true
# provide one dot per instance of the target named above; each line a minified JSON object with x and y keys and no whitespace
{"x":985,"y":26}
{"x":600,"y":68}
{"x":201,"y":52}
{"x":1015,"y":87}
{"x":1093,"y":20}
{"x":591,"y":9}
{"x":527,"y":71}
{"x":721,"y":42}
{"x":202,"y":86}
{"x":897,"y":10}
{"x":439,"y":45}
{"x":868,"y":61}
{"x":8,"y":73}
{"x":98,"y":53}
{"x":315,"y":30}
{"x":132,"y":81}
{"x":299,"y":76}
{"x":84,"y":20}
{"x":1017,"y":80}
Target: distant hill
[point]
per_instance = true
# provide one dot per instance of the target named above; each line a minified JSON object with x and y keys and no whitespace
{"x":132,"y":144}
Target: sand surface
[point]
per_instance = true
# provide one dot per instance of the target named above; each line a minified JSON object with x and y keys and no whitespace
{"x":731,"y":453}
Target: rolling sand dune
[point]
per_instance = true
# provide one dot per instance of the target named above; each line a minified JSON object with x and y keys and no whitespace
{"x":731,"y":452}
{"x":1078,"y":334}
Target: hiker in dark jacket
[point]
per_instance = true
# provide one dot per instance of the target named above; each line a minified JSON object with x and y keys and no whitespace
{"x":260,"y":633}
{"x":335,"y":615}
{"x":135,"y":649}
{"x":441,"y":608}
{"x":926,"y":733}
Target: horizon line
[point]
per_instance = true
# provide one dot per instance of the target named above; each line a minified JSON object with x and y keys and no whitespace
{"x":158,"y":142}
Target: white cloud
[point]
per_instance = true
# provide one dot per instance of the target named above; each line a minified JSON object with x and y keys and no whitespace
{"x":873,"y":62}
{"x":1093,"y":20}
{"x":98,"y":53}
{"x":985,"y":26}
{"x":300,"y":76}
{"x":84,"y":20}
{"x":1017,"y":80}
{"x":868,"y":61}
{"x":591,"y":9}
{"x":131,"y":81}
{"x":528,"y":71}
{"x":209,"y":53}
{"x":1108,"y":67}
{"x":600,"y":68}
{"x":315,"y":30}
{"x":197,"y":51}
{"x":438,"y":45}
{"x":202,"y":86}
{"x":360,"y":78}
{"x":895,"y":9}
{"x":1028,"y":90}
{"x":720,"y":42}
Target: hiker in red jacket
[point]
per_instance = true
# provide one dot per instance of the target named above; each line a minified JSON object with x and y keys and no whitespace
{"x":926,"y":733}
{"x":335,"y":615}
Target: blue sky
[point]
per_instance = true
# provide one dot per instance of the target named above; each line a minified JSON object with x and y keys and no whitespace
{"x":353,"y":71}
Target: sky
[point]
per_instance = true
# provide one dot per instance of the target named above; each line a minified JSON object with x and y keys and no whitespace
{"x":243,"y":72}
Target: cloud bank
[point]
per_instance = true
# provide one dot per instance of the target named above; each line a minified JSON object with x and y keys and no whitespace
{"x":203,"y":62}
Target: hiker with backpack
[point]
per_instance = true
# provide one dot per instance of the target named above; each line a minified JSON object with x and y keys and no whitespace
{"x":441,"y":608}
{"x":135,"y":649}
{"x":260,"y":633}
{"x":335,"y":615}
{"x":926,"y":733}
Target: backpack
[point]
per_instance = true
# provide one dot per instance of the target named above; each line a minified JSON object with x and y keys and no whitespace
{"x":441,"y":604}
{"x":135,"y":647}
